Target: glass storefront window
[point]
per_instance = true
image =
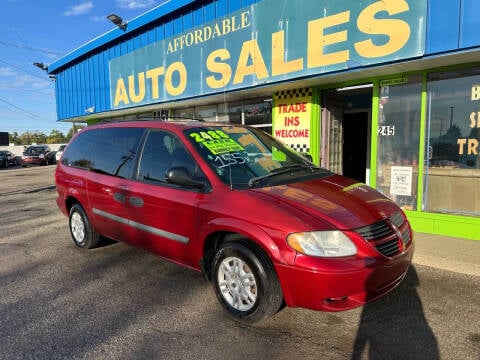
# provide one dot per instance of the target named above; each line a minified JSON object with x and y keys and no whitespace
{"x":398,"y":141}
{"x":235,"y":113}
{"x":254,"y":113}
{"x":452,"y":171}
{"x":206,"y":113}
{"x":186,"y":113}
{"x":258,"y":113}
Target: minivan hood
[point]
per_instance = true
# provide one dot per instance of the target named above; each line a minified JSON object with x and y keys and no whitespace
{"x":337,"y":200}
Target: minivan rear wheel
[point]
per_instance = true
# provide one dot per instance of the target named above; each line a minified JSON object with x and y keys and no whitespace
{"x":245,"y":283}
{"x":82,"y":232}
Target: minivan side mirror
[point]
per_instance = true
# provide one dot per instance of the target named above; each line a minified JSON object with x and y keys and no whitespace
{"x":308,"y":157}
{"x":180,"y":176}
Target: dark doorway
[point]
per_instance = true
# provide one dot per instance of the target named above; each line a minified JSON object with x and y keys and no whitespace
{"x":355,"y":139}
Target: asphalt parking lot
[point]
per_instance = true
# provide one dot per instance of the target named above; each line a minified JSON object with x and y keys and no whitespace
{"x":118,"y":302}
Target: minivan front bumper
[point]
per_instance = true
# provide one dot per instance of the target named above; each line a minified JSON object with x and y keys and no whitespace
{"x":341,"y":284}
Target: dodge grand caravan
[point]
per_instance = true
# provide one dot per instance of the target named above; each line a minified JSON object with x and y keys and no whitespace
{"x":266,"y":227}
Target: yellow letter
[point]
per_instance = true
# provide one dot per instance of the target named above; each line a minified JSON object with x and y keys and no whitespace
{"x":170,"y":48}
{"x":141,"y":87}
{"x":279,"y":66}
{"x":475,"y":92}
{"x":121,"y":94}
{"x":216,"y":31}
{"x":250,"y":50}
{"x":397,"y":30}
{"x":182,"y":84}
{"x":472,"y":147}
{"x":245,"y":19}
{"x":226,"y":26}
{"x":317,"y":40}
{"x":473,"y":119}
{"x":221,"y":68}
{"x":154,"y":74}
{"x":461,"y":144}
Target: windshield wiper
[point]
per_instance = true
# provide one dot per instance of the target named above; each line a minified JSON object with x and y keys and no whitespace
{"x":283,"y":170}
{"x":295,"y":166}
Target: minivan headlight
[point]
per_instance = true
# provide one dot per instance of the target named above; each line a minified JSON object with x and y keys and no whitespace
{"x":322,"y":243}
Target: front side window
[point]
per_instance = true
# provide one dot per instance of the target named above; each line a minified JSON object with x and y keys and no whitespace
{"x":398,"y":141}
{"x":156,"y":157}
{"x":452,"y":172}
{"x":246,"y":157}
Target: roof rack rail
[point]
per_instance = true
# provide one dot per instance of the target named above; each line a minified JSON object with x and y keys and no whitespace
{"x":166,"y":118}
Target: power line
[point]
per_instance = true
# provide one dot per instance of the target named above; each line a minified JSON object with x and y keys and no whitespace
{"x":27,"y":90}
{"x":31,"y":48}
{"x":23,"y":110}
{"x":25,"y":71}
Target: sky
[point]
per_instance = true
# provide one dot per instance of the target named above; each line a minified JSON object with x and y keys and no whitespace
{"x":44,"y":31}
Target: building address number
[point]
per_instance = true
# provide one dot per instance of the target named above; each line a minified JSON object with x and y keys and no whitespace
{"x":386,"y":130}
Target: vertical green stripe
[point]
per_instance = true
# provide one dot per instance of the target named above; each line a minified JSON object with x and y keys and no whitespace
{"x":315,"y":122}
{"x":274,"y":113}
{"x":374,"y":134}
{"x":421,"y":151}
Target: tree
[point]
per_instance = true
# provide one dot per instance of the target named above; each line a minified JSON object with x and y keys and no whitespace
{"x":37,"y":137}
{"x":73,"y":130}
{"x":13,"y":138}
{"x":56,"y":137}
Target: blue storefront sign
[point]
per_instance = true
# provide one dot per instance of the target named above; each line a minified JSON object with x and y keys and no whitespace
{"x":272,"y":41}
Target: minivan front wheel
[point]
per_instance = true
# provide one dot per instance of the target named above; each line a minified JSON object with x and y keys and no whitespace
{"x":82,"y":232}
{"x":245,"y":283}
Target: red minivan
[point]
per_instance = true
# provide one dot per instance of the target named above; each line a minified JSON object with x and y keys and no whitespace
{"x":266,"y":226}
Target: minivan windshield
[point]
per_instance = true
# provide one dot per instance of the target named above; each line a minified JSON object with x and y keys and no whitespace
{"x":245,"y":157}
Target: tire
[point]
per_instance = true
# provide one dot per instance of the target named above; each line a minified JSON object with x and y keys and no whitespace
{"x":245,"y":283}
{"x":81,"y":230}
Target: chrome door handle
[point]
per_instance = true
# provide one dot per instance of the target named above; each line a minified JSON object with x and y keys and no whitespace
{"x":135,"y":201}
{"x":119,"y":197}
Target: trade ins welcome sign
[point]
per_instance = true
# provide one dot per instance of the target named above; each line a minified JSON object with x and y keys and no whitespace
{"x":272,"y":41}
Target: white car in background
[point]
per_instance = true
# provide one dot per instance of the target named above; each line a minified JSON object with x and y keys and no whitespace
{"x":59,"y":152}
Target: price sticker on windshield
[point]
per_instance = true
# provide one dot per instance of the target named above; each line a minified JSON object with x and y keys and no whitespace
{"x":216,"y":141}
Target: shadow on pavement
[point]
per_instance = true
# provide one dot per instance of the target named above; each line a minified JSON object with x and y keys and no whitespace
{"x":395,"y":326}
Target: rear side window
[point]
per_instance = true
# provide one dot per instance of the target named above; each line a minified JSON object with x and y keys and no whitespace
{"x":79,"y":152}
{"x":109,"y":151}
{"x":116,"y":150}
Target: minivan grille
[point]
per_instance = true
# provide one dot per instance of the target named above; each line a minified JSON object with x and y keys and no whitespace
{"x":384,"y":235}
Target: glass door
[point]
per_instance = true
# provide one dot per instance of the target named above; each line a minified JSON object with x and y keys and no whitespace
{"x":399,"y":140}
{"x":332,"y":132}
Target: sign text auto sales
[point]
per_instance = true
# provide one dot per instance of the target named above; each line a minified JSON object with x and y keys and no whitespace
{"x":242,"y":50}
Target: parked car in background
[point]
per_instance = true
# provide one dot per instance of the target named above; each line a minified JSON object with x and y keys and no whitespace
{"x":267,"y":227}
{"x":7,"y":158}
{"x":38,"y":155}
{"x":59,"y":152}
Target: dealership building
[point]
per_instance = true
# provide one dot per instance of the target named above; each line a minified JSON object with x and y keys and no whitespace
{"x":386,"y":92}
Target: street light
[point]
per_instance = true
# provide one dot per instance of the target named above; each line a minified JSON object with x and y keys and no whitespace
{"x":117,"y":20}
{"x":451,"y":115}
{"x":41,"y":66}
